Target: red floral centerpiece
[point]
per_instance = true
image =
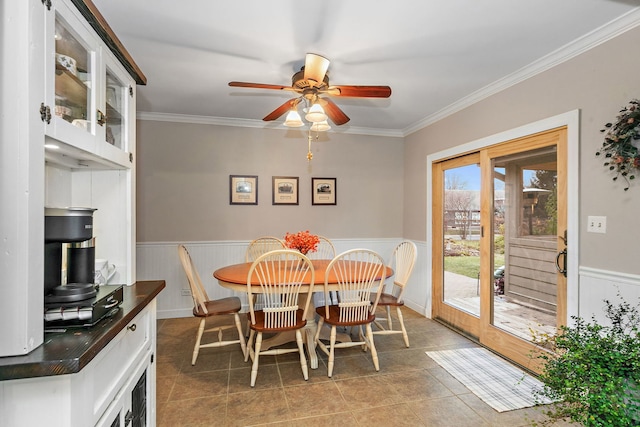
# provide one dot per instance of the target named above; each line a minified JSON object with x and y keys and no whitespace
{"x":302,"y":241}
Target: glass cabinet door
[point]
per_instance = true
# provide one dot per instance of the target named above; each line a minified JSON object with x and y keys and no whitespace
{"x":73,"y":78}
{"x":115,"y":96}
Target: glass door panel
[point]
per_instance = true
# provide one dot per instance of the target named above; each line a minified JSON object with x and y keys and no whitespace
{"x":461,"y":231}
{"x":73,"y":77}
{"x":525,"y":242}
{"x":115,"y":111}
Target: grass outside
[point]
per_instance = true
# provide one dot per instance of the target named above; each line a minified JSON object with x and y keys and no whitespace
{"x":469,"y":265}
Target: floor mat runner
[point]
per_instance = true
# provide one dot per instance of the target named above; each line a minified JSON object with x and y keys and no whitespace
{"x":498,"y":383}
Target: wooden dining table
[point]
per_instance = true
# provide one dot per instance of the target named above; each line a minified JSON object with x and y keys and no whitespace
{"x":234,"y":277}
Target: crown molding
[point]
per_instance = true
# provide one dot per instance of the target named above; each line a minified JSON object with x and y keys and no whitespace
{"x":590,"y":40}
{"x":249,"y":123}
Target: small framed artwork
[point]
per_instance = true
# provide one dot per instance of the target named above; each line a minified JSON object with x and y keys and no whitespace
{"x":243,"y":189}
{"x":285,"y":190}
{"x":323,"y":191}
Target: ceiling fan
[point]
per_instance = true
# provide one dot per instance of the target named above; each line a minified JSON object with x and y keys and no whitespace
{"x":312,"y":85}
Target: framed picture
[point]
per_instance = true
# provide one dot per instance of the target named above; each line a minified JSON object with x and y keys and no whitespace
{"x":285,"y":190}
{"x":243,"y":189}
{"x":323,"y":191}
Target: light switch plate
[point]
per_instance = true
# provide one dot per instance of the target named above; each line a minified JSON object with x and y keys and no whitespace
{"x":597,"y":224}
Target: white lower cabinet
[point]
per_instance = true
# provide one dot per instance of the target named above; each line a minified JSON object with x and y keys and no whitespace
{"x":130,"y":406}
{"x":117,"y":388}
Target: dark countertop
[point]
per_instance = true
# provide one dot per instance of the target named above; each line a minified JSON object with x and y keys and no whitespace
{"x":70,"y":351}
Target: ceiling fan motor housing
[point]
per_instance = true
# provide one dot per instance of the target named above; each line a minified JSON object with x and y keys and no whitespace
{"x":300,"y":83}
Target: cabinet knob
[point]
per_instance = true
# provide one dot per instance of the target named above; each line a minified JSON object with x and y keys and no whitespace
{"x":132,"y":328}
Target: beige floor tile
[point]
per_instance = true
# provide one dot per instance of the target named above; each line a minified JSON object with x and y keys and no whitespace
{"x":205,"y":411}
{"x":257,"y":406}
{"x":398,"y":415}
{"x":200,"y":384}
{"x":446,"y":412}
{"x":315,"y":399}
{"x":410,"y":388}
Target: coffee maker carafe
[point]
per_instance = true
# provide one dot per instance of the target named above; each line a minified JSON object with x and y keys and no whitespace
{"x":70,"y":229}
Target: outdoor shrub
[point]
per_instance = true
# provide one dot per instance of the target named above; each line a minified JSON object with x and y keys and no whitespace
{"x":593,"y":370}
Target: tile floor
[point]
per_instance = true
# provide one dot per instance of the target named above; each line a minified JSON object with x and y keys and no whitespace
{"x":409,"y":390}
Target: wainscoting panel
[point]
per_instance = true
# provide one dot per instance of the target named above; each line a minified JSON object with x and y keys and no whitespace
{"x":159,"y":261}
{"x":597,"y":285}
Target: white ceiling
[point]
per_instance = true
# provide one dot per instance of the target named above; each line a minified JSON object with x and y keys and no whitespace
{"x":436,"y":55}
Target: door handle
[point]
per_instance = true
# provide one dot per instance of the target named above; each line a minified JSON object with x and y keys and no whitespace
{"x":562,"y":270}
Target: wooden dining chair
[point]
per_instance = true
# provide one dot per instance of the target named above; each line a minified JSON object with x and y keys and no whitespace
{"x":278,"y":276}
{"x":262,"y":245}
{"x":325,"y":249}
{"x":402,"y":261}
{"x":357,"y":273}
{"x":205,"y":308}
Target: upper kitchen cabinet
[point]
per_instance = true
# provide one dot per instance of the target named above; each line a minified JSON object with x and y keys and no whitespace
{"x":90,"y":85}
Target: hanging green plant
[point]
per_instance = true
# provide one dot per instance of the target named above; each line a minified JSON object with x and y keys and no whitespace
{"x":620,"y":146}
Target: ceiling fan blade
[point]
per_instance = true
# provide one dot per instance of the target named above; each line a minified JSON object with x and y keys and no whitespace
{"x":363,"y":91}
{"x":275,"y":114}
{"x":315,"y":67}
{"x":334,"y":112}
{"x":259,"y":86}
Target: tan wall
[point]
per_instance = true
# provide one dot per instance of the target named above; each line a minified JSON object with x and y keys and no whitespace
{"x":598,"y":82}
{"x":183,"y":169}
{"x":183,"y":183}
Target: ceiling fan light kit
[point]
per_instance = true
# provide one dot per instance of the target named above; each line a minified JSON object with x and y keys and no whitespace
{"x":316,"y":114}
{"x":293,"y":120}
{"x":309,"y":83}
{"x":322,"y":126}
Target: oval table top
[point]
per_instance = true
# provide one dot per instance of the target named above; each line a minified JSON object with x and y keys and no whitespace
{"x":236,"y":274}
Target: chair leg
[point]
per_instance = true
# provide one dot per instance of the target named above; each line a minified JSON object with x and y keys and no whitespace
{"x":374,"y":353}
{"x":318,"y":329}
{"x":404,"y":331}
{"x":250,"y":351}
{"x":389,"y":320}
{"x":332,"y":349}
{"x":303,"y":359}
{"x":256,"y":358}
{"x":196,"y":348}
{"x":361,"y":337}
{"x":243,"y":346}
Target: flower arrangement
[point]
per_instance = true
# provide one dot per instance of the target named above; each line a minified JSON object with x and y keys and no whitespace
{"x":619,"y":147}
{"x":302,"y":241}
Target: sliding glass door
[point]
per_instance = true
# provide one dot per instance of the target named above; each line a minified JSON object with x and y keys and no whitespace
{"x":499,"y":221}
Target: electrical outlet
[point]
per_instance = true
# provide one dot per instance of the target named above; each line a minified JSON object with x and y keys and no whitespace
{"x":597,"y":224}
{"x":186,"y":292}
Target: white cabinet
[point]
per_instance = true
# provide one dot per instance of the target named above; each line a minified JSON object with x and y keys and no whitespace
{"x":67,"y":83}
{"x":118,"y":384}
{"x":90,"y":98}
{"x":90,"y":133}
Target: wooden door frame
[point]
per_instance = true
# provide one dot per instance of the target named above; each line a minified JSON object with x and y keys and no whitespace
{"x":570,"y":120}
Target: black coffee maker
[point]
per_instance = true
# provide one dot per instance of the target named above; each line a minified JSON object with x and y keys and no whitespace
{"x":70,"y":229}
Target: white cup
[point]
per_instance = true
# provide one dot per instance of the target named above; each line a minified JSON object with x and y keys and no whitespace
{"x":102,"y":271}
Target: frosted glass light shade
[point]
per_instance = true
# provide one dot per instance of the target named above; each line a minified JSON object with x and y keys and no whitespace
{"x":293,"y":120}
{"x":316,"y":114}
{"x":322,"y":126}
